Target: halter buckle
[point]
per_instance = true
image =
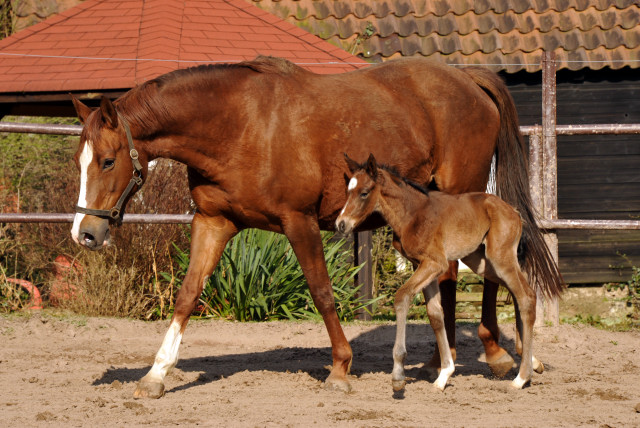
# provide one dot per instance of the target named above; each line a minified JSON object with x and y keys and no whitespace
{"x":114,"y":213}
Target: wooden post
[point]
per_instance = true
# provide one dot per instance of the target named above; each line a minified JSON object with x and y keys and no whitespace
{"x":549,"y":307}
{"x":362,"y":245}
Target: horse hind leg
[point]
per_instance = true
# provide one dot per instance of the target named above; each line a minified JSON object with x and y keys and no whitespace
{"x":498,"y":359}
{"x":209,"y":237}
{"x":538,"y":366}
{"x":507,"y":268}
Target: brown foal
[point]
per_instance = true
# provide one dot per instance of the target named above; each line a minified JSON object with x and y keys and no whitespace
{"x":430,"y":229}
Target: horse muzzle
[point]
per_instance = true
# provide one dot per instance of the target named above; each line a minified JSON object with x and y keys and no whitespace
{"x":344,"y":226}
{"x":93,"y":233}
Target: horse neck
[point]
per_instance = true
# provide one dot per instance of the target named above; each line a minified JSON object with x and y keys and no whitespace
{"x":399,"y":203}
{"x":181,"y":126}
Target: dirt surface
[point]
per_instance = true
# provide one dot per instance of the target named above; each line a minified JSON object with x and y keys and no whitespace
{"x":82,"y":372}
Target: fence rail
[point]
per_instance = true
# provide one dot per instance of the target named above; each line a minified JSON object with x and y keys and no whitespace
{"x":531,"y":131}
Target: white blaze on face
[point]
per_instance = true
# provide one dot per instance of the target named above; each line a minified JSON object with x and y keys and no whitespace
{"x":352,"y":184}
{"x":86,"y":156}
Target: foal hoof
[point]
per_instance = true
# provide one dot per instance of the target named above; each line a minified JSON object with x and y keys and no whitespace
{"x":147,"y":389}
{"x":538,"y":367}
{"x":398,"y":385}
{"x":334,"y":383}
{"x":501,"y":366}
{"x":519,"y":382}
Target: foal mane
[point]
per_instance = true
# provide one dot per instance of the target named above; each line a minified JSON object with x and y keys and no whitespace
{"x":146,"y":109}
{"x":399,"y":178}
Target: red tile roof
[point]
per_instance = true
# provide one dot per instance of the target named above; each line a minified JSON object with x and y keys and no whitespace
{"x":507,"y":34}
{"x":116,"y":44}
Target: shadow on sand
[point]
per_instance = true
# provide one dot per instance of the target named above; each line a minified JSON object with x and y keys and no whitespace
{"x":372,"y":353}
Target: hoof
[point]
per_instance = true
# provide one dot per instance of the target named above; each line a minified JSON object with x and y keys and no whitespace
{"x":398,"y":385}
{"x":538,"y":367}
{"x":440,"y":385}
{"x":501,"y":366}
{"x":336,"y":384}
{"x":519,"y":383}
{"x":147,"y":389}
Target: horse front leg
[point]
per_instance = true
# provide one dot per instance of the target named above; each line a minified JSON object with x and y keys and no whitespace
{"x":209,"y":236}
{"x":437,"y":321}
{"x":303,"y":233}
{"x":447,"y":284}
{"x":424,"y":274}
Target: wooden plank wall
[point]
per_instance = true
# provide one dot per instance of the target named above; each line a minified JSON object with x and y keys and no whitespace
{"x":598,"y":176}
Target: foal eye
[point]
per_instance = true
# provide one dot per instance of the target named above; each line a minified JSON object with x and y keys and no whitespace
{"x":108,"y":163}
{"x":364,"y":195}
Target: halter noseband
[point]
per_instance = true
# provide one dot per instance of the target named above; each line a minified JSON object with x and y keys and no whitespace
{"x":115,"y":213}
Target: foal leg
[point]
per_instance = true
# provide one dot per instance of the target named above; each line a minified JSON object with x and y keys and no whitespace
{"x":437,"y":320}
{"x":426,"y":273}
{"x":209,"y":236}
{"x":303,"y":233}
{"x":538,"y":367}
{"x":505,"y":264}
{"x":447,"y":283}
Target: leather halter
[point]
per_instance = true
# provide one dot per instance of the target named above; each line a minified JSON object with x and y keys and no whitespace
{"x":115,"y":213}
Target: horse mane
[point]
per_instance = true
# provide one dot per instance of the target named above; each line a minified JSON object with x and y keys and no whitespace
{"x":144,"y":107}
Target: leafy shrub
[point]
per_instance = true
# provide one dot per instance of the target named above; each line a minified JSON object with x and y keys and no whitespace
{"x":258,"y":278}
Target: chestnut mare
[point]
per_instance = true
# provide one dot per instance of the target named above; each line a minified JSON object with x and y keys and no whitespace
{"x":263,"y":142}
{"x":431,"y":229}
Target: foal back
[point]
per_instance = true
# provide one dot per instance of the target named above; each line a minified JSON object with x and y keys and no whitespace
{"x":457,"y":225}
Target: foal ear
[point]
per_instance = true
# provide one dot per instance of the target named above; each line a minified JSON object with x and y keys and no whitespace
{"x":109,"y":114}
{"x":353,"y":165}
{"x":82,"y":109}
{"x":372,"y":167}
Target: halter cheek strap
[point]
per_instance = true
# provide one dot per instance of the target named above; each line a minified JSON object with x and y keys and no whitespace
{"x":115,"y":213}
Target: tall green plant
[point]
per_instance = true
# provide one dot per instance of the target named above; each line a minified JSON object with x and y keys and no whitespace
{"x":259,"y":278}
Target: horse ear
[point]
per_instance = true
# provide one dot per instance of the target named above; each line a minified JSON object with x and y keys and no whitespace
{"x":109,"y":114}
{"x":82,"y":109}
{"x":353,"y":165}
{"x":372,"y":167}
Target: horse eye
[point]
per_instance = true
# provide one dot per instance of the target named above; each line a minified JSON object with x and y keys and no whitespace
{"x":364,"y":195}
{"x":108,"y":163}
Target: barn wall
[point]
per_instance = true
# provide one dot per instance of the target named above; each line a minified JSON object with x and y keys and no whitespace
{"x":598,"y":176}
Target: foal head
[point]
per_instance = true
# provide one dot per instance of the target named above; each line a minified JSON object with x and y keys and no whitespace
{"x":363,"y":192}
{"x":110,"y":173}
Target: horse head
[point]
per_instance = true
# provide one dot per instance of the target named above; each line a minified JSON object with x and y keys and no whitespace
{"x":362,"y":194}
{"x":110,"y":173}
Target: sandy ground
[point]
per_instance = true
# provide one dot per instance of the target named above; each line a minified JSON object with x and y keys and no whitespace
{"x":70,"y":371}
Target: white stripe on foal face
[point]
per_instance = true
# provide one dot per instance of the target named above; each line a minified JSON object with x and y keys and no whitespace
{"x":352,"y":184}
{"x":86,"y":157}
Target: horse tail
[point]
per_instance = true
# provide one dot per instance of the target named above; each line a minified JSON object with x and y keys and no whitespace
{"x":512,"y":184}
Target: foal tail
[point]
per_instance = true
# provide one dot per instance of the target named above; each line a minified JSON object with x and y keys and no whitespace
{"x":512,"y":184}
